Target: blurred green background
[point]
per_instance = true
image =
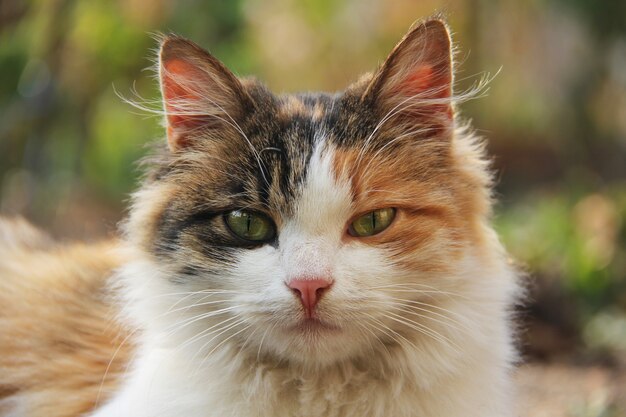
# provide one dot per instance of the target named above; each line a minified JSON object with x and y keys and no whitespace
{"x":555,"y":116}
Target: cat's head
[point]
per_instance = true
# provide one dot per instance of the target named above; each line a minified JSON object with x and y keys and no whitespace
{"x":311,"y":227}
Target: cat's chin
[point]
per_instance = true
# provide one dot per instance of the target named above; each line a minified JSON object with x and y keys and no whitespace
{"x":312,"y":343}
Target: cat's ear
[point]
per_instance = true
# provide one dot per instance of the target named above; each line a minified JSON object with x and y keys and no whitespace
{"x":199,"y":92}
{"x":415,"y":82}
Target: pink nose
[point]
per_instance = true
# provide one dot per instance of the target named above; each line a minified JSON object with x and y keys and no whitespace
{"x":310,"y":291}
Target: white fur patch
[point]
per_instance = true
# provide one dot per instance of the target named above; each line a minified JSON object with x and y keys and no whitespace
{"x":402,"y":344}
{"x":310,"y":241}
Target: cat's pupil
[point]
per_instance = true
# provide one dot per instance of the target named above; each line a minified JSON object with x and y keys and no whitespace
{"x":250,"y":225}
{"x":372,"y":223}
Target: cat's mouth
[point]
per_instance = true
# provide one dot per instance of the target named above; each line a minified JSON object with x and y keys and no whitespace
{"x":314,"y":325}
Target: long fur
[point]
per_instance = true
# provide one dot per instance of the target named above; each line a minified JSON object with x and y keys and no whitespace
{"x":191,"y":320}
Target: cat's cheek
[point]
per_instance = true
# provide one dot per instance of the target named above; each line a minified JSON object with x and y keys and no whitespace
{"x":258,"y":270}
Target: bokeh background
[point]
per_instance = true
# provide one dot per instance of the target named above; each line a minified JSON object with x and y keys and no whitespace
{"x":555,"y":116}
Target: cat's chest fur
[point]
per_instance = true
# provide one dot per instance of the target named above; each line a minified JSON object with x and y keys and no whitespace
{"x":167,"y":386}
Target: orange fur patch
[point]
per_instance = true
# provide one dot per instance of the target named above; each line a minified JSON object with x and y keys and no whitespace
{"x":438,"y":207}
{"x":59,"y":332}
{"x":293,"y":106}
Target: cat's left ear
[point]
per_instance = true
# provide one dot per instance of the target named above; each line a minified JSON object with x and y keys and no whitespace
{"x":415,"y":82}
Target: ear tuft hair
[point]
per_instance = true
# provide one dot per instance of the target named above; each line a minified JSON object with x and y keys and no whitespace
{"x":199,"y":92}
{"x":416,"y":79}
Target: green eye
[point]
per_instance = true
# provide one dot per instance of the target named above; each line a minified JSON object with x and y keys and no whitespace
{"x":250,"y":226}
{"x":372,"y":223}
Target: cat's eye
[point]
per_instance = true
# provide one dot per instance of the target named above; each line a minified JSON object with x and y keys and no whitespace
{"x":249,"y":225}
{"x":372,"y":223}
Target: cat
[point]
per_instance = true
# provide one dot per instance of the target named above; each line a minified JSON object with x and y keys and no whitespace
{"x":296,"y":255}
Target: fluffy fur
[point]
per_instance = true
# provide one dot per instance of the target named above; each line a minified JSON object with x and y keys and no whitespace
{"x":58,"y":332}
{"x":416,"y":322}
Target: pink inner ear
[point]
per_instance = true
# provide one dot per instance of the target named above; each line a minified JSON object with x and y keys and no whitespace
{"x":425,"y":78}
{"x":180,"y":98}
{"x":419,"y":80}
{"x":176,"y":93}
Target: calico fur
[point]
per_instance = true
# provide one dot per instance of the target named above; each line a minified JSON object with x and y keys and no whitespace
{"x":416,"y":320}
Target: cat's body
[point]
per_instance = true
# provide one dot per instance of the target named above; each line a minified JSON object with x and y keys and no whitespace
{"x":308,"y":255}
{"x":57,"y":333}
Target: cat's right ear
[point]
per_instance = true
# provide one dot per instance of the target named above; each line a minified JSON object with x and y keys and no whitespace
{"x":199,"y":93}
{"x":415,"y":82}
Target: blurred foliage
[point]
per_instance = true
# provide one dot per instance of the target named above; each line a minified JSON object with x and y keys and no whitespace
{"x":579,"y":242}
{"x":555,"y":114}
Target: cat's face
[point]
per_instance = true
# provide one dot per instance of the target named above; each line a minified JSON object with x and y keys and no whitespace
{"x":311,"y":227}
